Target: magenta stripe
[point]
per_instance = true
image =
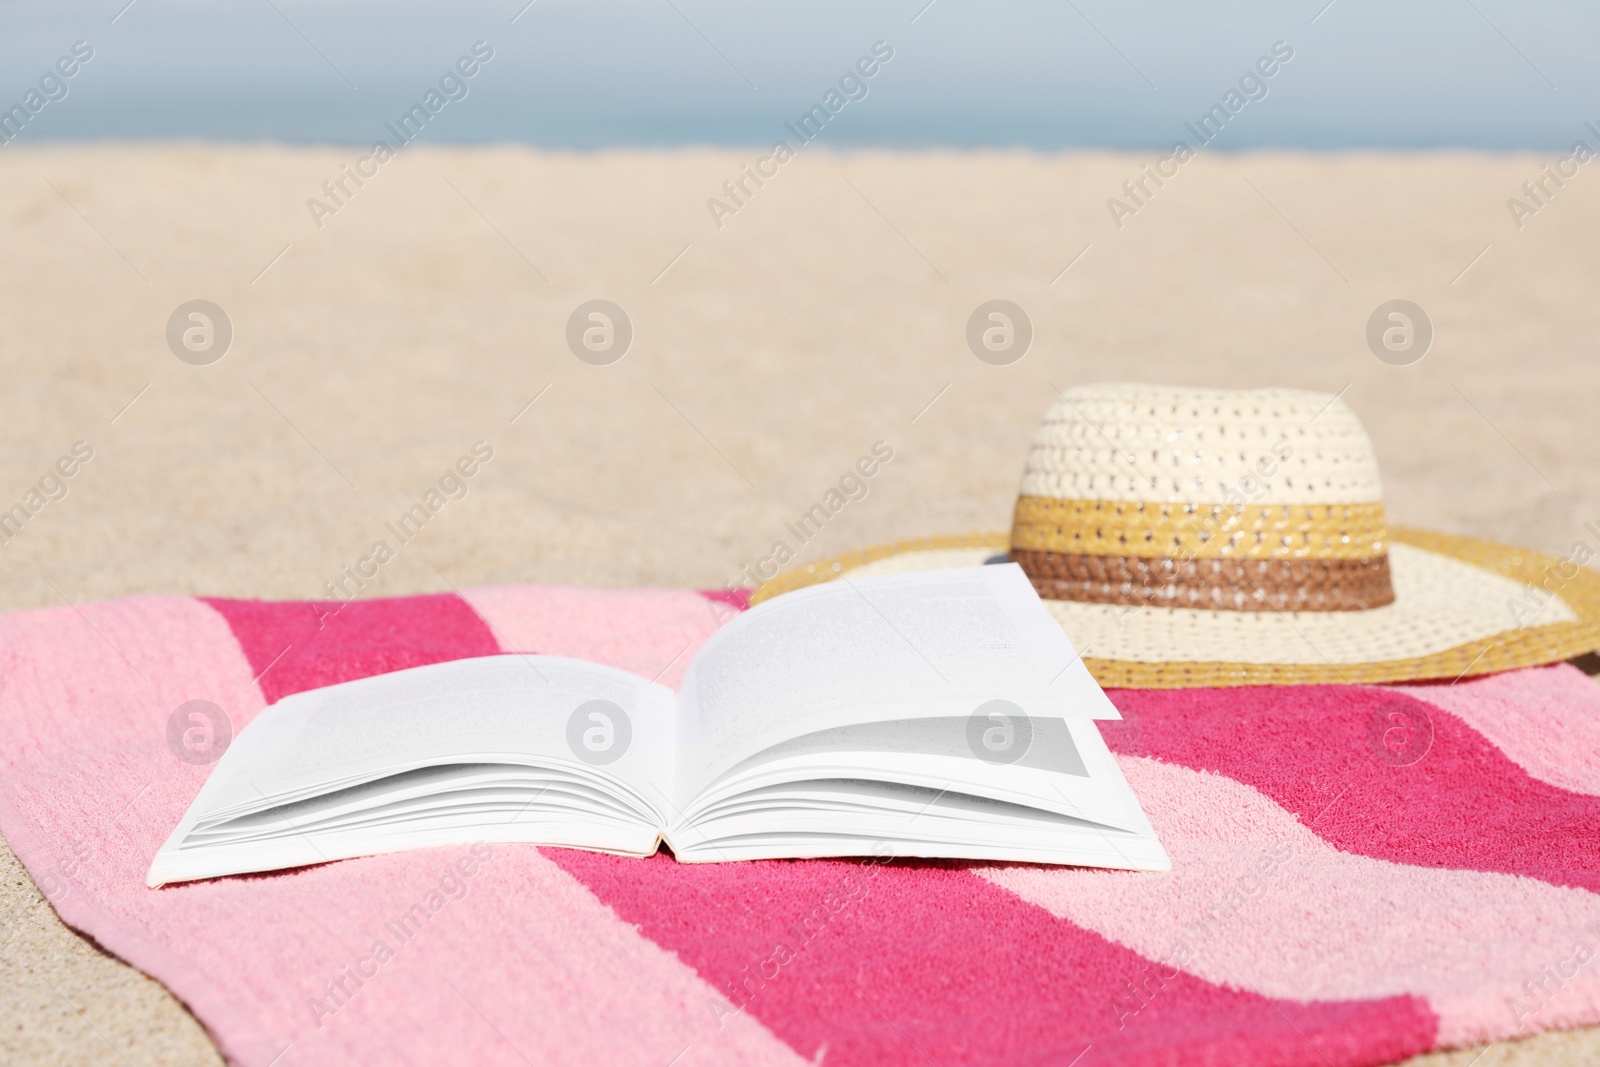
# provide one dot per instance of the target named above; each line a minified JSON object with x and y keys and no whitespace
{"x":917,"y":963}
{"x":303,"y":644}
{"x":738,"y":598}
{"x":1354,"y":763}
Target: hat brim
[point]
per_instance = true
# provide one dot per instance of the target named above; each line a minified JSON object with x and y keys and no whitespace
{"x":1462,"y":607}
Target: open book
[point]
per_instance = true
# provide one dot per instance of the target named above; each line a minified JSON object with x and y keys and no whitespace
{"x":938,"y":714}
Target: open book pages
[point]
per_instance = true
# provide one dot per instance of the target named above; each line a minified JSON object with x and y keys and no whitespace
{"x":940,"y":714}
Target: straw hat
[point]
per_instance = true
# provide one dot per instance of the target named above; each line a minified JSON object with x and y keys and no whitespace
{"x":1204,"y":537}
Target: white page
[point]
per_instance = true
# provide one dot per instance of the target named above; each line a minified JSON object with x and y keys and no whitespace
{"x":902,"y":646}
{"x":1066,"y":769}
{"x":912,"y":787}
{"x":475,"y":710}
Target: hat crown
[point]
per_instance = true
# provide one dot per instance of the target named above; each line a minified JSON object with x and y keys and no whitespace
{"x":1170,"y":444}
{"x":1249,"y":500}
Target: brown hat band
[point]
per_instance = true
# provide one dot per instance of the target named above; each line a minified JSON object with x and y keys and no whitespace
{"x":1211,"y":584}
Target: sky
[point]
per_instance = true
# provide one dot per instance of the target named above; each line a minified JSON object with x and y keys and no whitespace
{"x":1475,"y":74}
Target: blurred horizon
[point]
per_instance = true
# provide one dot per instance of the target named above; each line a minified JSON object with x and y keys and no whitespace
{"x":1439,"y":74}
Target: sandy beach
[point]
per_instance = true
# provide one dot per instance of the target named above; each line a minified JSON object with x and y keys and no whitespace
{"x":426,"y":319}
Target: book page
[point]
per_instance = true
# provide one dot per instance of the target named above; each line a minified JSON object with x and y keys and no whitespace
{"x":1063,"y":766}
{"x":900,"y":741}
{"x":904,"y":646}
{"x":913,"y":788}
{"x":525,"y":708}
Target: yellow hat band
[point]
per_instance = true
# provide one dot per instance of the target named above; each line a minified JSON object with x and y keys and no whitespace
{"x":1185,"y":531}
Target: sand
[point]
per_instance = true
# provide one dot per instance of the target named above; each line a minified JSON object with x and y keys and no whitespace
{"x":825,"y":314}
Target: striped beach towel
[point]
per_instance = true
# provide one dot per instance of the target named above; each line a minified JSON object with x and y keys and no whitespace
{"x":1360,"y":873}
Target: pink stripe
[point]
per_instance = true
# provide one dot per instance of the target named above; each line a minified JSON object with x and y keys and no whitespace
{"x":85,"y":704}
{"x":1255,"y":900}
{"x":1318,"y":751}
{"x":651,"y":632}
{"x":918,"y":963}
{"x":1546,"y":719}
{"x":89,"y":790}
{"x":526,"y":966}
{"x":300,"y":645}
